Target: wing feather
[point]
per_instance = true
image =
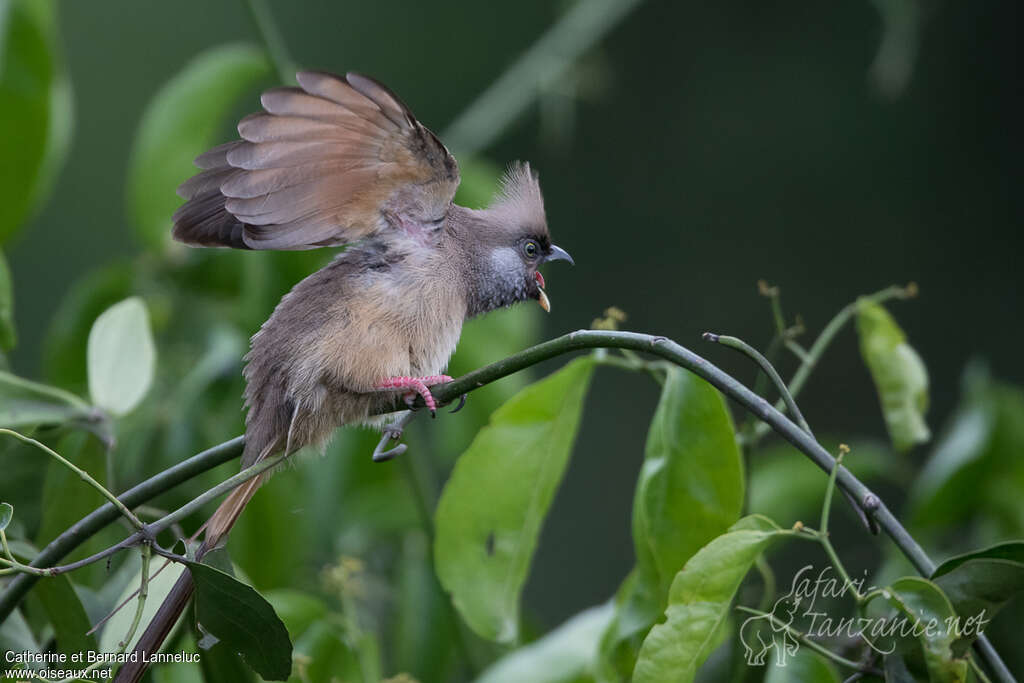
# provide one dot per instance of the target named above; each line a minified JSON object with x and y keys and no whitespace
{"x":334,"y":161}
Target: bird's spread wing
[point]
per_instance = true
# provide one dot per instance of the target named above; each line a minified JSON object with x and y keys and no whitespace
{"x":332,"y":162}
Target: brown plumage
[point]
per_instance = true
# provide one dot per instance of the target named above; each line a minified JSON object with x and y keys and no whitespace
{"x":342,"y":161}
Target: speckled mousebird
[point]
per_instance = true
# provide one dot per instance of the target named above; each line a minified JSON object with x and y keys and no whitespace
{"x":342,"y":161}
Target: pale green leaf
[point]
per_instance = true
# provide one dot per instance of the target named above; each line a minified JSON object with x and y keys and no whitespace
{"x":563,"y":655}
{"x":160,"y":585}
{"x":6,"y":514}
{"x":121,"y":357}
{"x":898,"y":372}
{"x":181,"y":121}
{"x":699,"y":601}
{"x":490,"y":513}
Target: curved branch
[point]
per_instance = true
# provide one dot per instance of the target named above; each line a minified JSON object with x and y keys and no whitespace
{"x":102,"y":516}
{"x":578,"y":341}
{"x":767,"y":368}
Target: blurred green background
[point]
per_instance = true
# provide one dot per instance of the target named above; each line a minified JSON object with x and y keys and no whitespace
{"x":697,"y":148}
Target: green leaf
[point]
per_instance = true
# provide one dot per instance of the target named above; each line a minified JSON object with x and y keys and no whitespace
{"x":897,"y":669}
{"x":803,"y":667}
{"x":65,"y":613}
{"x":563,"y":655}
{"x":160,"y":586}
{"x":66,"y":499}
{"x":121,"y":357}
{"x":24,"y":403}
{"x":8,"y":333}
{"x":639,"y":603}
{"x":979,"y":584}
{"x":185,"y":672}
{"x":297,"y":610}
{"x":898,"y":372}
{"x":689,"y":491}
{"x":219,"y":664}
{"x":691,"y":485}
{"x":923,"y":605}
{"x":492,"y":508}
{"x":35,"y":101}
{"x":975,"y":473}
{"x":182,"y":120}
{"x":84,"y":301}
{"x":699,"y":600}
{"x":61,"y":605}
{"x":242,"y":619}
{"x":16,"y":635}
{"x":6,"y":514}
{"x":322,"y":654}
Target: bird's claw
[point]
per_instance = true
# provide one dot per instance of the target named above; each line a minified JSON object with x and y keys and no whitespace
{"x":462,"y":403}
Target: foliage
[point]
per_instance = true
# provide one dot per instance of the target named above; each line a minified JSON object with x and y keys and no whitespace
{"x":35,"y":101}
{"x":487,"y":530}
{"x":345,"y":569}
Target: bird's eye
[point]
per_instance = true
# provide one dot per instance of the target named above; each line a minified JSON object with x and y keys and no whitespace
{"x":530,"y":248}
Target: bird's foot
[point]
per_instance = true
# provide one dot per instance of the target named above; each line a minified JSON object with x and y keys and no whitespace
{"x":419,"y":387}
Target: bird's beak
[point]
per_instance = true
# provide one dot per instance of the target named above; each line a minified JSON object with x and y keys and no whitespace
{"x":559,"y":254}
{"x":542,"y":298}
{"x":554,"y":254}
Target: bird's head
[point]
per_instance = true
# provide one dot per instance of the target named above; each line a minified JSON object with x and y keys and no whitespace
{"x":518,"y":243}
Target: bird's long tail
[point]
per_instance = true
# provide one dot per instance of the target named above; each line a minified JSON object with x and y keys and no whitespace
{"x":217,"y":528}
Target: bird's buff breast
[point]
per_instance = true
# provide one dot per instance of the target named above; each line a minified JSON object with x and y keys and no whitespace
{"x":392,"y":327}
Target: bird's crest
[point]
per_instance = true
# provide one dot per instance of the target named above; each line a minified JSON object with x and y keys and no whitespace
{"x":519,"y":198}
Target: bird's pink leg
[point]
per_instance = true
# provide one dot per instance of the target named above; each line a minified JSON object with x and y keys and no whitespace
{"x":418,"y":385}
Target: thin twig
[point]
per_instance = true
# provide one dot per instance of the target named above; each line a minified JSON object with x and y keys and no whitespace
{"x":100,"y":518}
{"x":83,"y":475}
{"x":272,"y":40}
{"x":544,"y":63}
{"x":823,"y":533}
{"x":813,"y":355}
{"x":141,"y":605}
{"x":768,"y":370}
{"x":738,"y":344}
{"x":47,"y":390}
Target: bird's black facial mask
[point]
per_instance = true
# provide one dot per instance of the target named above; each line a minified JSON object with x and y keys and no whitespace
{"x":555,"y":253}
